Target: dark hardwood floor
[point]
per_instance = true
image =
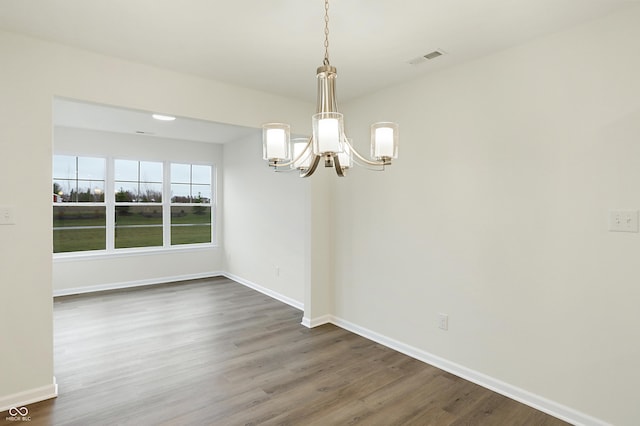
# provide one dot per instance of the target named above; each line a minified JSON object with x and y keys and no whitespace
{"x":213,"y":352}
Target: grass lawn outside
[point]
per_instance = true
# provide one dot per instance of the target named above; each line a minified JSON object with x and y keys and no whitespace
{"x":193,"y":234}
{"x":83,"y":228}
{"x":148,"y":236}
{"x":68,"y":240}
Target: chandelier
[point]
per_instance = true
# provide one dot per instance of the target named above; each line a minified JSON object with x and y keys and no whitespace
{"x":328,"y":141}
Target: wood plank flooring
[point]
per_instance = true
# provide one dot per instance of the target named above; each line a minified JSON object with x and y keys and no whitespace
{"x":213,"y":352}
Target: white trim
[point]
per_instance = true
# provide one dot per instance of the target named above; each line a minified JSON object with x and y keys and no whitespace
{"x":130,"y":252}
{"x":281,"y":297}
{"x":315,"y":322}
{"x":30,"y":396}
{"x":139,"y":283}
{"x":540,"y":403}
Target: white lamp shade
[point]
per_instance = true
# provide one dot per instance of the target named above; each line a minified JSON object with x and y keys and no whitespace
{"x":384,"y":140}
{"x":346,"y":157}
{"x":275,"y":141}
{"x":301,"y":158}
{"x":328,"y":132}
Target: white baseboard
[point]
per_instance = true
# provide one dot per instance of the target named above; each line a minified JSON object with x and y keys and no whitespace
{"x":535,"y":401}
{"x":154,"y":281}
{"x":30,"y":396}
{"x":281,"y":297}
{"x":315,"y":322}
{"x":130,"y":284}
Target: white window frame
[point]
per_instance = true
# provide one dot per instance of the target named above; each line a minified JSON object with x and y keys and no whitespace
{"x":166,"y":204}
{"x":102,"y":204}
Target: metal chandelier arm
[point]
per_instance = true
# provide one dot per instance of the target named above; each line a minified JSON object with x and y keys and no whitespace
{"x":314,"y":165}
{"x":383,"y":162}
{"x":338,"y":167}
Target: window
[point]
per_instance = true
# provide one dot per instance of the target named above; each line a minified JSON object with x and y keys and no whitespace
{"x":115,"y":204}
{"x":138,"y":204}
{"x":79,"y":211}
{"x":190,"y":204}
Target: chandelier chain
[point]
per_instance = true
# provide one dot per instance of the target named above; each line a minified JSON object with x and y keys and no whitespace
{"x":326,"y":32}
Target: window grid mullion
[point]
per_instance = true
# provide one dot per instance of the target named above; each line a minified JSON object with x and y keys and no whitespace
{"x":77,"y":186}
{"x":138,"y":184}
{"x":110,"y":199}
{"x":166,"y":204}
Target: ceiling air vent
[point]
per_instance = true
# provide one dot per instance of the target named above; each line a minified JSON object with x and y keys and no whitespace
{"x":433,"y":54}
{"x":428,"y":56}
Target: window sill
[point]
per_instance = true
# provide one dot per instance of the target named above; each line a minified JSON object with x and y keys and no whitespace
{"x":132,"y":252}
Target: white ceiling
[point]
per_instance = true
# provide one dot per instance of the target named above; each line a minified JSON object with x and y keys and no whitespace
{"x":276,"y":45}
{"x":83,"y":115}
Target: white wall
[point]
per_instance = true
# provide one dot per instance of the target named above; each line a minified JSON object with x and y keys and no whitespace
{"x":97,"y":271}
{"x":318,"y":302}
{"x":265,"y":219}
{"x":496,"y":214}
{"x":32,"y":73}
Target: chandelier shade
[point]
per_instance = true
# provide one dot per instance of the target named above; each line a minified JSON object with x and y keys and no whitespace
{"x":384,"y":140}
{"x":275,"y":141}
{"x":345,"y":157}
{"x":301,"y":153}
{"x":328,"y":140}
{"x":328,"y":133}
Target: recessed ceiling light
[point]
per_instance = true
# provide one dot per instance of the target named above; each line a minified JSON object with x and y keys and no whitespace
{"x":163,"y":117}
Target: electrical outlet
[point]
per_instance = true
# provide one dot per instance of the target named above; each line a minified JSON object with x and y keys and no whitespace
{"x":7,"y":215}
{"x":277,"y":271}
{"x":443,"y":322}
{"x":623,"y":221}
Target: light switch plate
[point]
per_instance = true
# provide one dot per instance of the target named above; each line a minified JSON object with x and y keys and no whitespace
{"x":443,"y":322}
{"x":7,"y":215}
{"x":623,"y":221}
